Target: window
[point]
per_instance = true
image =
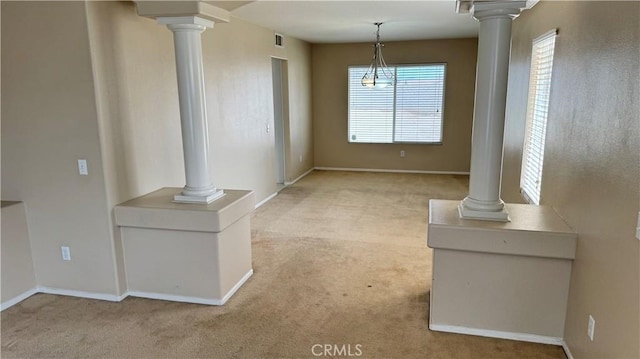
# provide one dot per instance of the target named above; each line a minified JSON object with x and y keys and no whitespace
{"x":410,"y":111}
{"x":537,"y":110}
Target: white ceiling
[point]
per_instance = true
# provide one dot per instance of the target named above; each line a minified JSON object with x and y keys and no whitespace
{"x":352,"y":21}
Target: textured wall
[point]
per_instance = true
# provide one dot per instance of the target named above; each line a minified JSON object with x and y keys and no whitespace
{"x":592,"y":160}
{"x":139,"y":118}
{"x":240,"y":106}
{"x":330,"y":94}
{"x":17,"y":271}
{"x":48,"y":122}
{"x":96,"y":81}
{"x":138,"y":102}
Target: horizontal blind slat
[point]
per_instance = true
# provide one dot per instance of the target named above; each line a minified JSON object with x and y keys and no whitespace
{"x":537,"y":113}
{"x":419,"y":97}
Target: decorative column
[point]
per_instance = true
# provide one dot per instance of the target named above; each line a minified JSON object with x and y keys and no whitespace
{"x":494,"y":43}
{"x":187,"y":32}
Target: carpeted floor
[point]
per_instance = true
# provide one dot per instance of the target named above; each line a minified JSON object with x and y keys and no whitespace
{"x":340,"y":258}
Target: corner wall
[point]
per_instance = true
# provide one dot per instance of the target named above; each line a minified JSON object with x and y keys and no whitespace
{"x":591,"y":172}
{"x":49,"y":122}
{"x":330,"y":106}
{"x":95,"y":81}
{"x":237,"y":59}
{"x":139,"y":117}
{"x":139,"y":113}
{"x":18,"y":277}
{"x":300,"y":155}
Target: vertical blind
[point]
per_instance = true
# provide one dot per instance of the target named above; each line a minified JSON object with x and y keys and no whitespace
{"x":409,"y":111}
{"x":537,"y":111}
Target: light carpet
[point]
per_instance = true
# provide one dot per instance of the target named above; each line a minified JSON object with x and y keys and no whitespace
{"x":340,"y":258}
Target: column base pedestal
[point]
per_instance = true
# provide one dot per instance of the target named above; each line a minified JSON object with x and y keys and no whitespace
{"x":500,"y":279}
{"x":499,"y":216}
{"x":186,"y":252}
{"x":181,"y":198}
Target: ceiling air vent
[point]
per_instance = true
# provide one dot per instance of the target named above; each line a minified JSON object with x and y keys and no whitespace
{"x":279,"y":40}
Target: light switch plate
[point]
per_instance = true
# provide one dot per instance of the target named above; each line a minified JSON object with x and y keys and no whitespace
{"x":82,"y":168}
{"x":638,"y":227}
{"x":66,"y":253}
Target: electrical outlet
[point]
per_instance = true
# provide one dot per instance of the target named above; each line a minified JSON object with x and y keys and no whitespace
{"x":638,"y":227}
{"x":591,"y":328}
{"x":268,"y":128}
{"x":82,"y":168}
{"x":402,"y":153}
{"x":66,"y":253}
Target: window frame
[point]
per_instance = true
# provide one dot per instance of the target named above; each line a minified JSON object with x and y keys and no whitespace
{"x":393,"y":129}
{"x":536,"y":94}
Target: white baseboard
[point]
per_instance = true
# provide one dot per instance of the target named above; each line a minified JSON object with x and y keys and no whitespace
{"x":119,"y":298}
{"x":389,"y":171}
{"x":82,"y":294}
{"x":497,"y":334}
{"x":67,"y":292}
{"x":237,"y":286}
{"x":266,"y":200}
{"x":174,"y":298}
{"x":299,"y":177}
{"x":567,"y":352}
{"x":194,"y":300}
{"x":17,"y":299}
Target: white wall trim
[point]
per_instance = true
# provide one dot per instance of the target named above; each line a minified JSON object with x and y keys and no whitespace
{"x":82,"y":294}
{"x":299,"y":177}
{"x":17,"y":299}
{"x":66,"y":292}
{"x":237,"y":286}
{"x":174,"y":298}
{"x":497,"y":334}
{"x":389,"y":171}
{"x":119,"y":298}
{"x":567,"y":352}
{"x":266,"y":200}
{"x":195,"y":300}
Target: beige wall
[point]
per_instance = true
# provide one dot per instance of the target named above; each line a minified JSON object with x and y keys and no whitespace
{"x":48,"y":122}
{"x":138,"y":103}
{"x":240,"y":106}
{"x":95,"y":81}
{"x":330,"y":63}
{"x":136,"y":97}
{"x":18,"y":276}
{"x":300,"y":128}
{"x":592,"y":155}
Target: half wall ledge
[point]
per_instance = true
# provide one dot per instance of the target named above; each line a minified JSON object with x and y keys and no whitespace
{"x":500,"y":279}
{"x":197,"y":253}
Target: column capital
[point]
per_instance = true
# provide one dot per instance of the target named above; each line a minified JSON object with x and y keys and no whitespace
{"x":179,"y":22}
{"x":183,"y":8}
{"x":483,"y":10}
{"x":486,"y":9}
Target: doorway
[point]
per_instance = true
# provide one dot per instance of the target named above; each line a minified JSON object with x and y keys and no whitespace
{"x":280,"y":112}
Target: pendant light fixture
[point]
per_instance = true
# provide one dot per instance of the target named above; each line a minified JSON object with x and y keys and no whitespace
{"x":378,"y":75}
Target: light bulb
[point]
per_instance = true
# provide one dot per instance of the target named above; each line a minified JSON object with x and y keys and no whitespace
{"x":379,"y":83}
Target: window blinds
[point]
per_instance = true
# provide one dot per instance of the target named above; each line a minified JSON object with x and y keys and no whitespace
{"x":419,"y":99}
{"x":536,"y":122}
{"x":409,"y":111}
{"x":370,"y":110}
